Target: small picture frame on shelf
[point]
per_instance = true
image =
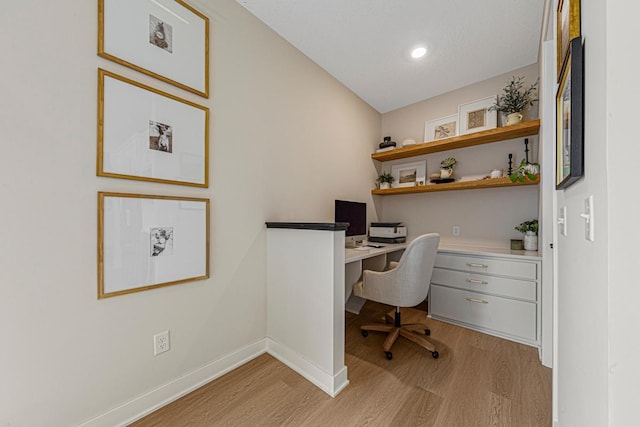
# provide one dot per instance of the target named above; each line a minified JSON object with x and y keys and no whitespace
{"x":444,"y":127}
{"x":476,"y":116}
{"x":409,"y":174}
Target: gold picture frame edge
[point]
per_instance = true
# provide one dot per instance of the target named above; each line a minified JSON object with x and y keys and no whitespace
{"x":101,"y":197}
{"x":103,"y":54}
{"x":102,"y":73}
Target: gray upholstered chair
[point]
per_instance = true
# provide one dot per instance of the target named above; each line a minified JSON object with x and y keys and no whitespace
{"x":405,"y":285}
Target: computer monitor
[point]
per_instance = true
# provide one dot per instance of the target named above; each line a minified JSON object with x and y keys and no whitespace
{"x":355,"y":213}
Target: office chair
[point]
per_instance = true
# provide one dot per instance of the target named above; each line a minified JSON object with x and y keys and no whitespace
{"x":406,"y":284}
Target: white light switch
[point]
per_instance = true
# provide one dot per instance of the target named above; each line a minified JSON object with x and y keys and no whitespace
{"x":562,"y":220}
{"x":588,"y":219}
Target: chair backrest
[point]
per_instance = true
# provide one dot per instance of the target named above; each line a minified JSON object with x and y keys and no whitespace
{"x":407,"y":285}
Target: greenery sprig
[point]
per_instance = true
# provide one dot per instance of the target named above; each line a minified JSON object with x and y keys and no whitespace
{"x":525,"y":170}
{"x":531,"y":225}
{"x":515,"y":96}
{"x":448,"y":163}
{"x":386,"y":177}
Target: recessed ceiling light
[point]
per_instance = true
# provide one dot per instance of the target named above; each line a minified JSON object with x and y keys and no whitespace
{"x":418,"y":52}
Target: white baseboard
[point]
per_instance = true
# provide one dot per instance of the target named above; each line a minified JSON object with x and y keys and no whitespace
{"x":330,"y":384}
{"x":163,"y":395}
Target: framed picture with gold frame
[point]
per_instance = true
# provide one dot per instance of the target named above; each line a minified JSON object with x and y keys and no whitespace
{"x":568,"y":28}
{"x":149,"y":135}
{"x":147,"y":242}
{"x":570,"y":118}
{"x":165,"y":39}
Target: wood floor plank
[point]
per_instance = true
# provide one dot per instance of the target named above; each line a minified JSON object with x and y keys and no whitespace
{"x":478,"y":380}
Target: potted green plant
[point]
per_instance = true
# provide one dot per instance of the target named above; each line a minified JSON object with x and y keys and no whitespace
{"x":515,"y":98}
{"x":524,"y":171}
{"x":385,"y":179}
{"x":530,"y":231}
{"x":446,"y":167}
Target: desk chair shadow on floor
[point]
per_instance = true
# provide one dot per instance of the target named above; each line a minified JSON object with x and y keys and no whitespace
{"x":405,"y":285}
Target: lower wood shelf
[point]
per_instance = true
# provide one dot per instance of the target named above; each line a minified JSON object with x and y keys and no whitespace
{"x":466,"y":185}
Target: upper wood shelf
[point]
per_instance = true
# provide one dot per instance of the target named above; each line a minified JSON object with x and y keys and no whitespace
{"x":485,"y":137}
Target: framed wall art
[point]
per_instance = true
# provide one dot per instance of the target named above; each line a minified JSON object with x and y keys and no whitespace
{"x":146,"y":242}
{"x":149,"y":135}
{"x":568,"y":28}
{"x":442,"y":128}
{"x":475,"y":116}
{"x":409,"y":174}
{"x":165,"y":39}
{"x":570,"y":118}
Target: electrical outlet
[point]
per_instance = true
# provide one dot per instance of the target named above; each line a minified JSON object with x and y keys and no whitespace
{"x":456,"y":230}
{"x":161,"y":343}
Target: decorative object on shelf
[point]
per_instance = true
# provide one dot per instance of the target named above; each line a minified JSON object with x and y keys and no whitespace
{"x":408,"y":141}
{"x":441,"y":128}
{"x":515,"y":98}
{"x":510,"y":171}
{"x":409,"y":174}
{"x":149,"y":135}
{"x":435,"y":175}
{"x":570,"y":118}
{"x":517,"y":245}
{"x":387,"y":142}
{"x":446,"y":167}
{"x":526,"y":149}
{"x":496,"y":173}
{"x":524,"y":171}
{"x":568,"y":25}
{"x":442,"y":180}
{"x":148,"y":258}
{"x":385,"y":179}
{"x":168,"y":41}
{"x":530,"y":231}
{"x":476,"y":116}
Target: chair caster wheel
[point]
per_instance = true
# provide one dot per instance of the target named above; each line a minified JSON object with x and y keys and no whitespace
{"x":435,"y":354}
{"x":427,"y":331}
{"x":365,"y":333}
{"x":389,"y":355}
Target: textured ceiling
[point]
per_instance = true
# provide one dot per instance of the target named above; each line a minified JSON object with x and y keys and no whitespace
{"x":365,"y":44}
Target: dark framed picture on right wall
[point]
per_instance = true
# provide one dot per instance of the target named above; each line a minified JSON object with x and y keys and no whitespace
{"x":570,"y":117}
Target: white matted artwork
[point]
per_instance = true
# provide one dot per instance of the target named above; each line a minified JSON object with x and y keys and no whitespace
{"x":166,"y":39}
{"x":409,"y":174}
{"x":475,"y":116}
{"x":149,"y":135}
{"x":146,"y":242}
{"x":441,"y":128}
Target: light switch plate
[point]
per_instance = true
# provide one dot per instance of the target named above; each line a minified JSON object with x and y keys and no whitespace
{"x":589,"y":233}
{"x":562,"y":220}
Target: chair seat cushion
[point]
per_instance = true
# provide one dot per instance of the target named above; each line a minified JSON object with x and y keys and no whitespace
{"x":358,"y":289}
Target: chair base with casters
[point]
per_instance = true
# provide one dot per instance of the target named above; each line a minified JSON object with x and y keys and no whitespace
{"x":414,"y":332}
{"x":404,"y":285}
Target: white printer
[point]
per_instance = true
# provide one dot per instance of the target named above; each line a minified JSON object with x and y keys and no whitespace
{"x":387,"y":232}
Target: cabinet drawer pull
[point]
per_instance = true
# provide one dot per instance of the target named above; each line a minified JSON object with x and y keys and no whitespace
{"x":481,"y":301}
{"x":473,"y":264}
{"x":478,"y":282}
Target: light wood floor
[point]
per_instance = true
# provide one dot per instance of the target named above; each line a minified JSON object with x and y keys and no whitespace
{"x":479,"y":380}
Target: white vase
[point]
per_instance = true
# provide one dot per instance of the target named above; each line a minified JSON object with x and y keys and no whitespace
{"x":445,"y":173}
{"x":530,"y":241}
{"x":513,"y":119}
{"x":385,"y":185}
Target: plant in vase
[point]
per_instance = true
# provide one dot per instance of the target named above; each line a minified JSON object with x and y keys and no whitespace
{"x":385,"y":179}
{"x":530,"y":231}
{"x":515,"y":98}
{"x":525,"y":170}
{"x":446,"y":167}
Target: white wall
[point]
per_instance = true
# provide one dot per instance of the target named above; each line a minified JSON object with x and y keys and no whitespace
{"x":486,"y":217}
{"x":285,"y":141}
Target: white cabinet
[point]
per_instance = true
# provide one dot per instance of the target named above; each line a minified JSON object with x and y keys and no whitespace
{"x":494,"y":293}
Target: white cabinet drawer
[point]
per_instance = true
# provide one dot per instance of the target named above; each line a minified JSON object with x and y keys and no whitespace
{"x":503,"y":267}
{"x":505,"y":316}
{"x":512,"y":288}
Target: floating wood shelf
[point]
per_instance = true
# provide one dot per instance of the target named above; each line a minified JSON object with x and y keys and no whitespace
{"x":465,"y":185}
{"x":485,"y":137}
